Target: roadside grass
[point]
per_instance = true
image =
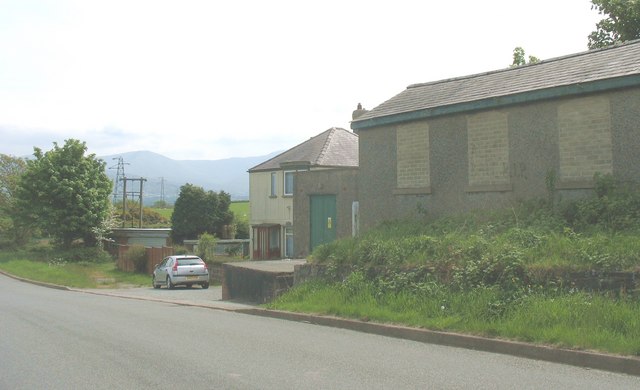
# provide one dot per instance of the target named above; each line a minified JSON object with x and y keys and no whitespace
{"x":577,"y":321}
{"x":541,"y":271}
{"x":83,"y":274}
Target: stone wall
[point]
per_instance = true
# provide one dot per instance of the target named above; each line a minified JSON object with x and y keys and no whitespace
{"x":492,"y":159}
{"x":591,"y":281}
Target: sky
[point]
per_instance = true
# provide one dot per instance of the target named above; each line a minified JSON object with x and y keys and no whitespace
{"x":208,"y":80}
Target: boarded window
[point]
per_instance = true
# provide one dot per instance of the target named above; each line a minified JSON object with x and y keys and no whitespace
{"x":412,"y":146}
{"x":488,"y":148}
{"x":584,"y":127}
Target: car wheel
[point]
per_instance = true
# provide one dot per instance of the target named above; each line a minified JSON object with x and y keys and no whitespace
{"x":205,"y":285}
{"x":155,"y":285}
{"x":170,"y":285}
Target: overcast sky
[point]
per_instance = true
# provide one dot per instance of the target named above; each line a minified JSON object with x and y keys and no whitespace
{"x":215,"y":79}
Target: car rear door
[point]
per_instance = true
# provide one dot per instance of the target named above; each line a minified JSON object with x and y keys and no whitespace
{"x":162,"y":270}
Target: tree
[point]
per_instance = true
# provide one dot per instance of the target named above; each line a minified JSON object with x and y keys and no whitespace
{"x":519,"y":58}
{"x":65,"y":193}
{"x":621,"y":24}
{"x":11,"y":168}
{"x":197,"y":211}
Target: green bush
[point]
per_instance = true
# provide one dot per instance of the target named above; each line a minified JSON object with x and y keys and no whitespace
{"x":138,"y":255}
{"x":207,"y":246}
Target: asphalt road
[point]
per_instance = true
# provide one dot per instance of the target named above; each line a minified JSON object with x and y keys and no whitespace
{"x":57,"y":339}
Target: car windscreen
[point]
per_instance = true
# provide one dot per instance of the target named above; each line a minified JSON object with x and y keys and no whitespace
{"x":190,"y":261}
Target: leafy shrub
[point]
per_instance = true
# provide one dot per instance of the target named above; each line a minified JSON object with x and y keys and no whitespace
{"x":180,"y":250}
{"x":616,"y":207}
{"x":207,"y":246}
{"x":80,"y":254}
{"x":138,"y":255}
{"x":242,"y":229}
{"x":503,"y":268}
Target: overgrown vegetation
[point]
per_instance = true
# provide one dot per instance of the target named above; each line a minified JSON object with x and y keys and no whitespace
{"x":207,"y":247}
{"x":509,"y":273}
{"x":138,"y":256}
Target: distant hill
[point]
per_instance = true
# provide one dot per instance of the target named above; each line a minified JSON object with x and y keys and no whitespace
{"x":165,"y":176}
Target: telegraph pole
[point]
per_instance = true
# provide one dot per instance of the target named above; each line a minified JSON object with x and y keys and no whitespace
{"x":125,"y":195}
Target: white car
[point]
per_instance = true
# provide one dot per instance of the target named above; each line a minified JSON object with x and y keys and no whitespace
{"x":186,"y":270}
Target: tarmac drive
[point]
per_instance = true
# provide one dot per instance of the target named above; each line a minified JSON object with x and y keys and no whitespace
{"x":194,"y":296}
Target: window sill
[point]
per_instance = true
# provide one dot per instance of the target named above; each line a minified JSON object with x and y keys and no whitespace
{"x":412,"y":191}
{"x":506,"y":187}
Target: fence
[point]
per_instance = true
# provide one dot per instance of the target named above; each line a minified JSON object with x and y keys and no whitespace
{"x":153,"y":256}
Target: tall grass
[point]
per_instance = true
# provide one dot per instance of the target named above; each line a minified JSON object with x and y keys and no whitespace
{"x":578,"y":320}
{"x":503,"y":273}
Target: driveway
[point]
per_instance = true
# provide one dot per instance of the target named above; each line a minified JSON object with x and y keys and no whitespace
{"x":195,"y":296}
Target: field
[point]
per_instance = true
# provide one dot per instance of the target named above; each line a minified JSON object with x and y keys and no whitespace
{"x":240,"y":209}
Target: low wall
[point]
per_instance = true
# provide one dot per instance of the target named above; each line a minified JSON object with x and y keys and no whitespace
{"x":601,"y":281}
{"x":257,"y":281}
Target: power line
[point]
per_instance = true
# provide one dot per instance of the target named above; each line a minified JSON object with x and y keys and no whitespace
{"x":119,"y":178}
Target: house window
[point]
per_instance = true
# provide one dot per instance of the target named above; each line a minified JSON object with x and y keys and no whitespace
{"x":288,"y":242}
{"x":288,"y":183}
{"x":274,"y":178}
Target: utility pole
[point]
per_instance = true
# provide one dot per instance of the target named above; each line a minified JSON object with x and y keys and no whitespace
{"x":125,"y":195}
{"x":162,"y":190}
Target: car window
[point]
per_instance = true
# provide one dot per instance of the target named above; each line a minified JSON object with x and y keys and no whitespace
{"x":190,"y":261}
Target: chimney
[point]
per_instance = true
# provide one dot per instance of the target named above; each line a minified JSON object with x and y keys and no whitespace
{"x":358,"y":112}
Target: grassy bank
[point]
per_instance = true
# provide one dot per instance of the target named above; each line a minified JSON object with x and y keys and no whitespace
{"x":507,"y":273}
{"x":571,"y":320}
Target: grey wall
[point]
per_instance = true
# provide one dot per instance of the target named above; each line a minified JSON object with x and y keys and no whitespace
{"x":533,"y":153}
{"x":341,"y":182}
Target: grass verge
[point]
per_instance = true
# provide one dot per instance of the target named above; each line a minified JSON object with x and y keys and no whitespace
{"x":77,"y":275}
{"x":577,"y":320}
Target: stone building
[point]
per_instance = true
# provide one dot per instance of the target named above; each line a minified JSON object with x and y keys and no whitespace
{"x":489,"y":140}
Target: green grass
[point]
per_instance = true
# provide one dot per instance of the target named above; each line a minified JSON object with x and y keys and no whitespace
{"x":577,"y":320}
{"x":165,"y":212}
{"x":84,"y":274}
{"x":504,"y":273}
{"x":239,"y":208}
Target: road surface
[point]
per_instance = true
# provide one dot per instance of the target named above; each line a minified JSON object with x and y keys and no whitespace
{"x":57,"y":339}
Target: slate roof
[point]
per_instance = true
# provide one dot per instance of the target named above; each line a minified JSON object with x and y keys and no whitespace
{"x":335,"y":147}
{"x":538,"y":80}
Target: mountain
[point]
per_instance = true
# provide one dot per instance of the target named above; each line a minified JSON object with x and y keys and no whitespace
{"x":165,"y":176}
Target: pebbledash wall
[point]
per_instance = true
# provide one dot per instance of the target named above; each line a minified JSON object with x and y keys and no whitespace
{"x":493,"y":158}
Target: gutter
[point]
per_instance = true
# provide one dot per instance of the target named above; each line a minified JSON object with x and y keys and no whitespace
{"x":502,"y":101}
